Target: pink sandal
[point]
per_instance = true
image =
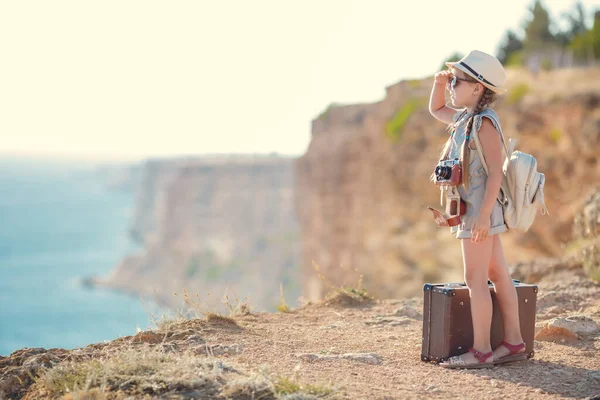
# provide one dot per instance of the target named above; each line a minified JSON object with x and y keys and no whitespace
{"x":513,"y":356}
{"x":457,"y":362}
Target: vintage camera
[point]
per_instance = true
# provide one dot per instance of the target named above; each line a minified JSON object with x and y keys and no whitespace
{"x":448,"y":172}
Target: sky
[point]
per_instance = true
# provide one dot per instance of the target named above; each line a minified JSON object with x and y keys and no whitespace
{"x":131,"y":79}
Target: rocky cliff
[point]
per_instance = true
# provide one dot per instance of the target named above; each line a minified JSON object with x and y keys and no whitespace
{"x":362,"y":186}
{"x":211,"y":223}
{"x":359,"y":194}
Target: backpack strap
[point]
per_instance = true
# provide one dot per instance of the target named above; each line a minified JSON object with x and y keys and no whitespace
{"x":491,"y":114}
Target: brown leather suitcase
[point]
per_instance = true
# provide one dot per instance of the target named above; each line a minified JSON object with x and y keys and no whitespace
{"x":447,"y":323}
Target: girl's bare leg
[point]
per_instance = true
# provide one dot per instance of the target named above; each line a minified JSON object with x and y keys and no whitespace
{"x":476,"y":260}
{"x":475,"y":257}
{"x":507,"y":297}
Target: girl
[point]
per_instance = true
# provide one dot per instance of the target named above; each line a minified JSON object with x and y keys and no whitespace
{"x":474,"y":83}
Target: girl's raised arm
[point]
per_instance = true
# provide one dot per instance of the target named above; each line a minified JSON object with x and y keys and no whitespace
{"x":437,"y":101}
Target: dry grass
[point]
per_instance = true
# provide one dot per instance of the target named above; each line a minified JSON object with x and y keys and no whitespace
{"x":92,"y":394}
{"x":345,"y":296}
{"x":282,"y":306}
{"x":195,"y":308}
{"x":168,"y":322}
{"x":146,"y":371}
{"x":590,"y":256}
{"x":220,"y":319}
{"x":143,"y":370}
{"x":287,"y":386}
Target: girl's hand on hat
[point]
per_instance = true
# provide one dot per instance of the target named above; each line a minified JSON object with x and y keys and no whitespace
{"x":480,"y":228}
{"x":442,"y":77}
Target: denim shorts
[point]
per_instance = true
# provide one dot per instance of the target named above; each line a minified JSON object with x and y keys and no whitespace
{"x":473,"y":196}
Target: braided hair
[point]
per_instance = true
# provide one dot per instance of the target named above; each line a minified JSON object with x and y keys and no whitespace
{"x":486,"y":100}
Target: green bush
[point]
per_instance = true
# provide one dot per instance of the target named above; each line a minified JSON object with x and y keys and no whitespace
{"x":517,"y":93}
{"x":414,"y":83}
{"x":547,"y":64}
{"x":325,"y":113}
{"x":394,"y":127}
{"x":516,"y":59}
{"x":555,"y":135}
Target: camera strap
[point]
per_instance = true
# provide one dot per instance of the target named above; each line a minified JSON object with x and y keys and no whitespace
{"x":455,"y":207}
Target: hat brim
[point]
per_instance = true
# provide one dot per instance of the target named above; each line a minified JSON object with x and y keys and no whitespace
{"x":494,"y":89}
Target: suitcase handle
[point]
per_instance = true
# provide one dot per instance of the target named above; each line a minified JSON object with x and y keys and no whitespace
{"x":430,"y":286}
{"x":460,"y":284}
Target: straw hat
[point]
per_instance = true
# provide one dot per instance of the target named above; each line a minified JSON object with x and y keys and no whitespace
{"x":483,"y":67}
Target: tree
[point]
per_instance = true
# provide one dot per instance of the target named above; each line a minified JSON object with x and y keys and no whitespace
{"x":595,"y":33}
{"x":510,"y":45}
{"x":586,"y":44}
{"x":576,"y":25}
{"x":576,"y":20}
{"x":537,"y":29}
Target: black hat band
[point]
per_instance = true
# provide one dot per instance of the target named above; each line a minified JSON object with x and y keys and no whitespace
{"x":480,"y":77}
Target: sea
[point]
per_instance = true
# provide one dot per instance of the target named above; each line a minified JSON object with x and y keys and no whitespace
{"x":61,"y":222}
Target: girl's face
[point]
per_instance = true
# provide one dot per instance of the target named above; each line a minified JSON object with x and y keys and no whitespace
{"x":461,"y":87}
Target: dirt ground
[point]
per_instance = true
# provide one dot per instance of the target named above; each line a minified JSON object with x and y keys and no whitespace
{"x":363,"y":350}
{"x":558,"y":370}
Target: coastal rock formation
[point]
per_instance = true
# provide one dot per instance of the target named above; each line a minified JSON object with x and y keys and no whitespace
{"x":214,"y":225}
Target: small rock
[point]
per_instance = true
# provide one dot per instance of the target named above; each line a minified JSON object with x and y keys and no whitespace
{"x":335,"y":325}
{"x":432,"y":388}
{"x":407,"y":311}
{"x":368,"y":358}
{"x":194,"y":340}
{"x":181,"y":335}
{"x":219,"y":349}
{"x":148,"y":337}
{"x":553,"y":333}
{"x":555,"y":310}
{"x":577,"y":324}
{"x":46,"y":360}
{"x":574,"y":325}
{"x":539,"y":391}
{"x":389,"y":321}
